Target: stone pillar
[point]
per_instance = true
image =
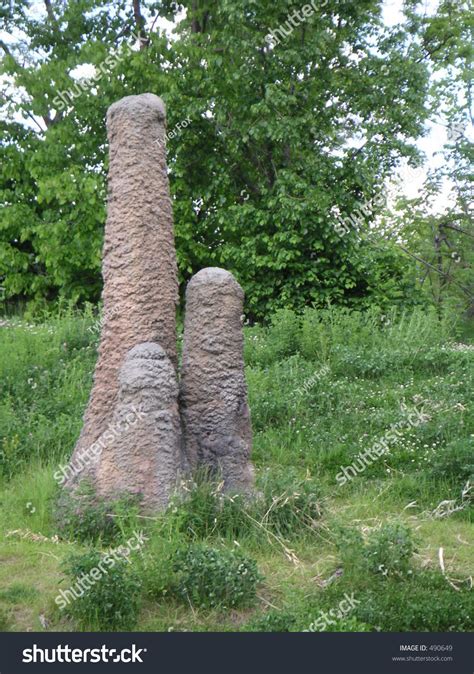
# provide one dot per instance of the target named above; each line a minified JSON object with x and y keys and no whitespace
{"x":146,"y":455}
{"x":139,"y":262}
{"x":213,"y":395}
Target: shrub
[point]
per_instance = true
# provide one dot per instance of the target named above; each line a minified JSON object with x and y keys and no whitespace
{"x":208,"y":577}
{"x":314,"y":337}
{"x":158,"y":576}
{"x":350,"y":545}
{"x":112,"y":603}
{"x":390,"y":550}
{"x":283,"y":334}
{"x":287,"y":504}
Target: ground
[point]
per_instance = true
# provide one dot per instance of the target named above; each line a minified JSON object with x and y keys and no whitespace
{"x":322,"y":388}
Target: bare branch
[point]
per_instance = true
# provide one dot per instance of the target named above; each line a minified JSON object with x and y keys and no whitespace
{"x":49,"y":11}
{"x":140,"y":24}
{"x":457,"y":229}
{"x":442,"y":274}
{"x":30,"y":115}
{"x":6,"y":49}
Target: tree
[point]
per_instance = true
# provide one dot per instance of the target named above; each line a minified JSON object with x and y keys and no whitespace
{"x":271,"y":141}
{"x":442,"y":242}
{"x":61,"y":148}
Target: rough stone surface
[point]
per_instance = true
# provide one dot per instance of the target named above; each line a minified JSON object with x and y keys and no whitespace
{"x":146,"y":457}
{"x":139,"y":260}
{"x":213,"y":395}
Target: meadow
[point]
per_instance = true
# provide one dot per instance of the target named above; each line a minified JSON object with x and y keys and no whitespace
{"x":386,"y":546}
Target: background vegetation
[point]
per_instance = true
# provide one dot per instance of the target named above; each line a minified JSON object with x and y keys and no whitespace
{"x":279,"y":143}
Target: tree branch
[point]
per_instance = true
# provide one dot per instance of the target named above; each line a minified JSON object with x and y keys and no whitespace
{"x":6,"y":50}
{"x":50,"y":13}
{"x":443,"y":274}
{"x":46,"y":118}
{"x":30,"y":115}
{"x":140,"y":24}
{"x":457,"y":229}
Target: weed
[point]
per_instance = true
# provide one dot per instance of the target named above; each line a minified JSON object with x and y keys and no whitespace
{"x":86,"y":517}
{"x":272,"y":621}
{"x":390,"y":550}
{"x":4,"y":621}
{"x":424,"y":603}
{"x":17,"y":593}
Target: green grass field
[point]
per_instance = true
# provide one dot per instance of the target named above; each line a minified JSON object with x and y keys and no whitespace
{"x":397,"y":537}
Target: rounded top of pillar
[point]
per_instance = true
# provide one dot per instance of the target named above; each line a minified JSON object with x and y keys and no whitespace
{"x":133,"y":107}
{"x":215,"y":277}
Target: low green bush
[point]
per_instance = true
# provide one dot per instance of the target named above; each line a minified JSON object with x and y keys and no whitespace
{"x":350,"y":545}
{"x":286,"y":504}
{"x":284,"y":334}
{"x":208,"y":577}
{"x":112,"y":602}
{"x":289,"y":504}
{"x":204,"y":511}
{"x":388,"y":550}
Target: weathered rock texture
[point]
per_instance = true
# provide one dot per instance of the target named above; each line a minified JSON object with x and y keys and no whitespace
{"x":213,"y":395}
{"x":139,"y":261}
{"x":146,"y":456}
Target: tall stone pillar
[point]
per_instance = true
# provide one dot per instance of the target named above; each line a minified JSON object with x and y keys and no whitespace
{"x":213,"y":395}
{"x":139,"y":265}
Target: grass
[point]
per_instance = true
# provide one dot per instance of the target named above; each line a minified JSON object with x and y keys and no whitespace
{"x":323,"y":387}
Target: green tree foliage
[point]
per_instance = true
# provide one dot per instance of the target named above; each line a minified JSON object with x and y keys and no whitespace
{"x":268,"y":142}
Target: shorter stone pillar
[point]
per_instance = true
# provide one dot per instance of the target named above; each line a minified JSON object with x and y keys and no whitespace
{"x":145,"y":457}
{"x":213,"y":395}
